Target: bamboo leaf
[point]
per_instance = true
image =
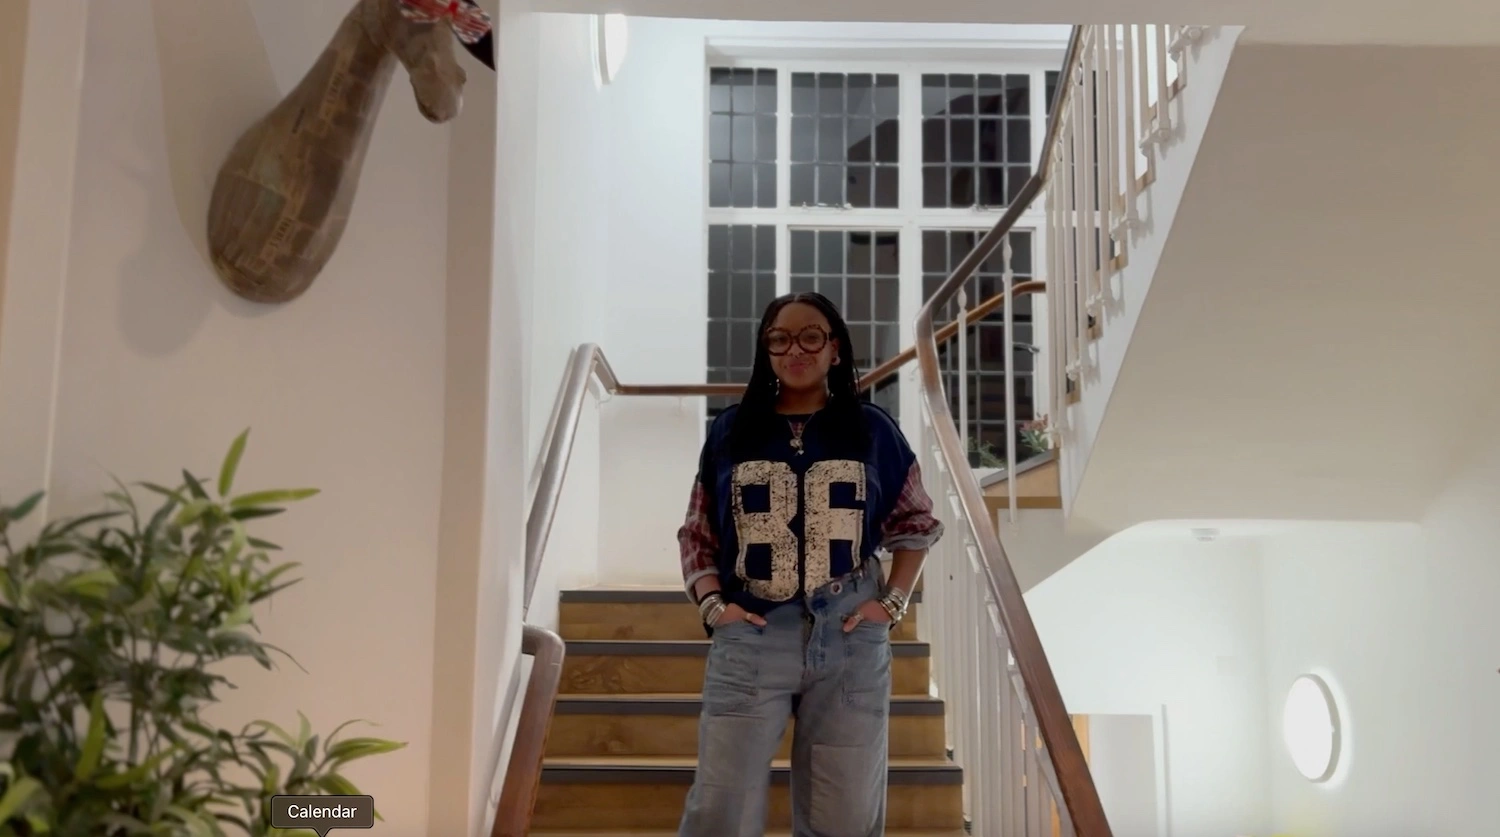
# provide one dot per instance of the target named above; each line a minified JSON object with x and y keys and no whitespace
{"x":336,"y":785}
{"x":194,"y":485}
{"x":358,"y":748}
{"x":16,"y":796}
{"x":93,"y":743}
{"x":135,"y":774}
{"x":197,"y":826}
{"x":232,"y":463}
{"x":21,"y":509}
{"x":95,"y":584}
{"x":266,"y":498}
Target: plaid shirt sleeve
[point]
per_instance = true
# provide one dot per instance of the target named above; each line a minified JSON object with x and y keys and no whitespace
{"x":697,"y":541}
{"x":911,"y":525}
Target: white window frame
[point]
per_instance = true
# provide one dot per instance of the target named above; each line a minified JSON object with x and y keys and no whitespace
{"x":909,"y":62}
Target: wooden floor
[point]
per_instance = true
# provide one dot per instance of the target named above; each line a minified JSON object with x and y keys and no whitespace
{"x":622,"y":750}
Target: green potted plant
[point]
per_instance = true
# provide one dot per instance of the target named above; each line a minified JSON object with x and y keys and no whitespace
{"x":112,"y":626}
{"x":1037,"y":436}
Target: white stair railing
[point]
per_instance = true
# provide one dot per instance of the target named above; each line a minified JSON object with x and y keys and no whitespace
{"x":1119,"y":120}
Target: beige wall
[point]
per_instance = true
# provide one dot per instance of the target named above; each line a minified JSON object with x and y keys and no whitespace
{"x":12,"y":61}
{"x":121,"y":353}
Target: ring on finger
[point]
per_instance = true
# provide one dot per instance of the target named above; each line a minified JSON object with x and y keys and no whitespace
{"x":857,"y":618}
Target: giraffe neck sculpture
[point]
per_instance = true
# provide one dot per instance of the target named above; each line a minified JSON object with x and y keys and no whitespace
{"x":282,"y":197}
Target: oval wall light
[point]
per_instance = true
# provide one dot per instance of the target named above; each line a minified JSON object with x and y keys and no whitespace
{"x":1311,"y":728}
{"x":611,"y":39}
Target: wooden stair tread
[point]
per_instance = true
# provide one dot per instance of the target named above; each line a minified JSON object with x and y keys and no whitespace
{"x":679,"y":770}
{"x":677,"y":703}
{"x":641,"y":594}
{"x":889,"y":833}
{"x":690,"y":763}
{"x":696,"y":647}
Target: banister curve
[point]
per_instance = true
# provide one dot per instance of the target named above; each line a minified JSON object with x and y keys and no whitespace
{"x":1075,"y":783}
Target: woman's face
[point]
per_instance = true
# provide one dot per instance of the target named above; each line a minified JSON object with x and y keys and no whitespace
{"x":801,"y":346}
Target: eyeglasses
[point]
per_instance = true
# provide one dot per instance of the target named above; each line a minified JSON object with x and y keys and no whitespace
{"x":812,"y":339}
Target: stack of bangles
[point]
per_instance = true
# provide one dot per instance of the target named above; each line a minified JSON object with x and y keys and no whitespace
{"x":711,"y":607}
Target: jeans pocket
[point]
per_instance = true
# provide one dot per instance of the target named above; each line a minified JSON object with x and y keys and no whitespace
{"x":867,"y":669}
{"x":731,"y":677}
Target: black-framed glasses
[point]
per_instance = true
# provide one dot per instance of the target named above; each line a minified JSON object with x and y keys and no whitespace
{"x":812,"y":339}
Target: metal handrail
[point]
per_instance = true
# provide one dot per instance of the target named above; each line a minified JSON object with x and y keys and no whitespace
{"x":588,"y":363}
{"x":1075,"y":784}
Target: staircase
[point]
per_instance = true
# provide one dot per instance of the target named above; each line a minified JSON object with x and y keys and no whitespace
{"x":622,"y":749}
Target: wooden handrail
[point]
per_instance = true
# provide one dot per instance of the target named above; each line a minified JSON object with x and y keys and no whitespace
{"x":1074,"y":782}
{"x":869,"y":380}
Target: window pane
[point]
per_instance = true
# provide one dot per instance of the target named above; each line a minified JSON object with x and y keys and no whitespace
{"x":887,"y":95}
{"x":765,"y":185}
{"x":803,"y":251}
{"x":887,"y":135}
{"x":974,"y":119}
{"x":719,"y":84}
{"x":742,"y":186}
{"x":718,"y":184}
{"x":804,"y":93}
{"x":935,"y":141}
{"x":804,"y":139}
{"x":861,"y":140}
{"x":743,"y":146}
{"x":861,"y":94}
{"x":934,"y":186}
{"x":887,"y":188}
{"x":831,"y":186}
{"x":744,"y":91}
{"x":765,"y":138}
{"x":742,"y":136}
{"x":765,"y":91}
{"x":834,"y":124}
{"x":942,"y":250}
{"x":830,"y":93}
{"x":803,"y":184}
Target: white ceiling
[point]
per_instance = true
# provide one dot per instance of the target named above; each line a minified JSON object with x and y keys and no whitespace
{"x":1321,"y":338}
{"x":1275,"y":21}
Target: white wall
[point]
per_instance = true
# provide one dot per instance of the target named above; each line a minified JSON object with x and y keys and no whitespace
{"x":1122,"y":760}
{"x":1400,"y":620}
{"x":1349,"y":603}
{"x":573,"y":127}
{"x":1155,"y":623}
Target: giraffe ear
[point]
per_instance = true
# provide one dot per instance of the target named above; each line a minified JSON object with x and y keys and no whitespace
{"x":483,"y":49}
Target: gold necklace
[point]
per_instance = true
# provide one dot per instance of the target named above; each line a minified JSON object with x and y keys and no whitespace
{"x":797,"y":428}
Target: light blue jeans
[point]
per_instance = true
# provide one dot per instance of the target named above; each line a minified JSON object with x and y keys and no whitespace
{"x":837,"y":685}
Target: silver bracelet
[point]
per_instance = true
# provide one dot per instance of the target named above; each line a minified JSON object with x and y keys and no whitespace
{"x":711,"y":608}
{"x":895,"y":601}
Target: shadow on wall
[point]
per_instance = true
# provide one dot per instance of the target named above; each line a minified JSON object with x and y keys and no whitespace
{"x":216,"y":79}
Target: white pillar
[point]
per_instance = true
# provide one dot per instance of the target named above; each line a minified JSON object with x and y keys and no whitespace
{"x":476,"y":652}
{"x":34,"y":244}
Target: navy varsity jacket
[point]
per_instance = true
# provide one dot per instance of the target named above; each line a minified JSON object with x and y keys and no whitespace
{"x":777,"y":527}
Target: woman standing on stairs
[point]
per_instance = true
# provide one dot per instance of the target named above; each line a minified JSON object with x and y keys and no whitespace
{"x":797,"y":487}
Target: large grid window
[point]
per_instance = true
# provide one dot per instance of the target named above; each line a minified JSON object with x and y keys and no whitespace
{"x":742,"y":138}
{"x":942,"y":250}
{"x":741,"y":283}
{"x":860,"y":271}
{"x":846,"y":140}
{"x":869,"y":182}
{"x":976,"y":139}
